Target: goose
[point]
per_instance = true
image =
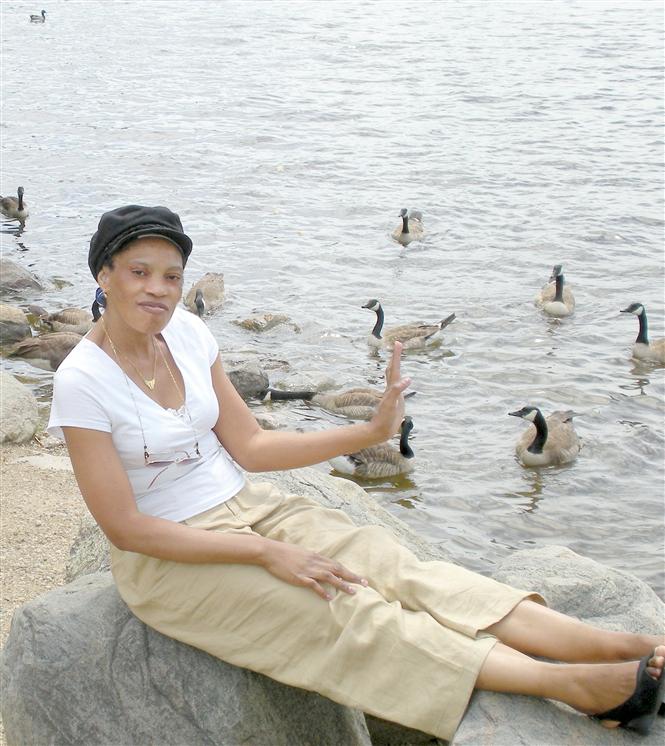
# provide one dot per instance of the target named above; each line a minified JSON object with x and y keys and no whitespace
{"x":383,"y":460}
{"x":356,"y":404}
{"x":643,"y":349}
{"x":411,"y":228}
{"x":38,"y":18}
{"x":74,"y":320}
{"x":46,"y":351}
{"x":207,"y":294}
{"x":556,"y":298}
{"x":412,"y":336}
{"x":550,"y":441}
{"x":14,"y":209}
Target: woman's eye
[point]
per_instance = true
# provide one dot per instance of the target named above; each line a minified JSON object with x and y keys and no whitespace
{"x":138,"y":272}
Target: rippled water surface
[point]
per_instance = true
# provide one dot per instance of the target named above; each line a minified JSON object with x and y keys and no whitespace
{"x":289,"y":134}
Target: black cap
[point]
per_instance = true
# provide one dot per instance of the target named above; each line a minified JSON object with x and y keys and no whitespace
{"x":118,"y":227}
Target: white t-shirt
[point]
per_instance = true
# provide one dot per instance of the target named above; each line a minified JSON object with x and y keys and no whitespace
{"x":91,"y":391}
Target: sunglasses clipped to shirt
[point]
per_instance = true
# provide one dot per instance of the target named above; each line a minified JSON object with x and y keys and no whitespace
{"x":163,"y":461}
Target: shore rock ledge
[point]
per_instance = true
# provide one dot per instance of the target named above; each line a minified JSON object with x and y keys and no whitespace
{"x":79,"y":668}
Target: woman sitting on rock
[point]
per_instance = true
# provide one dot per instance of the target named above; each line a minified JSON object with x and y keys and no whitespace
{"x":276,"y":583}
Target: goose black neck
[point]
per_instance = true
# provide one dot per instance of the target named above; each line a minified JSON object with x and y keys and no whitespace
{"x":20,"y":200}
{"x":643,"y":334}
{"x":404,"y":447}
{"x":376,"y":332}
{"x":541,"y":434}
{"x":277,"y":395}
{"x":405,"y":223}
{"x":559,"y":289}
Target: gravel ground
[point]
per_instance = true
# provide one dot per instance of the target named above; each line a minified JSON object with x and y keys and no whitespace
{"x":40,"y":513}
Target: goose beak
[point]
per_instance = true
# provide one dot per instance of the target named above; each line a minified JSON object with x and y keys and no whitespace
{"x":624,"y":310}
{"x":519,"y":413}
{"x":365,"y":305}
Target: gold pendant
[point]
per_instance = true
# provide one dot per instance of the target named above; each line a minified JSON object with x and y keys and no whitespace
{"x":150,"y":384}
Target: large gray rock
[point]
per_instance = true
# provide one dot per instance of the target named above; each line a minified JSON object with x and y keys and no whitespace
{"x":79,"y":668}
{"x":120,"y":675}
{"x":14,"y":324}
{"x":14,"y":278}
{"x":597,"y":594}
{"x":19,"y":414}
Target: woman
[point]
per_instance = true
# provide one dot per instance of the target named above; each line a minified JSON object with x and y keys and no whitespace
{"x":273,"y":582}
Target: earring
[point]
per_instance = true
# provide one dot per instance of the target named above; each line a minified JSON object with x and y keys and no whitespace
{"x":100,"y":297}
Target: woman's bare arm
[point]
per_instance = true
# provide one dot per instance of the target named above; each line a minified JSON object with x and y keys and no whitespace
{"x":109,"y":497}
{"x":256,"y":449}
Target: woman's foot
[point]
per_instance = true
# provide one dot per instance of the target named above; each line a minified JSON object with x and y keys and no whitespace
{"x":634,"y":696}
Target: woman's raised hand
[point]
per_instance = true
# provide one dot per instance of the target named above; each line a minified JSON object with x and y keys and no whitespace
{"x":299,"y":566}
{"x":390,"y":412}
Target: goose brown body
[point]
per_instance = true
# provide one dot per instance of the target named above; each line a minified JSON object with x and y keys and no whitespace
{"x":75,"y":320}
{"x":13,"y":208}
{"x":560,"y":444}
{"x":46,"y":351}
{"x":211,"y":293}
{"x":412,"y":336}
{"x":410,"y":229}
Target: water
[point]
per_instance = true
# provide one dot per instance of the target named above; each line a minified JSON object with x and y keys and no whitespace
{"x":289,"y":134}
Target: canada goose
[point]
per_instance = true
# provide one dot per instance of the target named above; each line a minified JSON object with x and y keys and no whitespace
{"x":46,"y":351}
{"x":643,"y":349}
{"x":379,"y":461}
{"x":411,"y":336}
{"x":411,"y":228}
{"x":356,"y":403}
{"x":550,"y":441}
{"x":38,"y":18}
{"x":556,"y":298}
{"x":14,"y":209}
{"x":207,"y":294}
{"x":74,"y":320}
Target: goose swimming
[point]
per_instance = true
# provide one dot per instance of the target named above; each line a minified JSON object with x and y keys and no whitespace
{"x":556,"y":298}
{"x":14,"y":209}
{"x":412,"y":336}
{"x":411,"y":228}
{"x":41,"y":18}
{"x":643,"y":349}
{"x":548,"y":441}
{"x":383,"y":460}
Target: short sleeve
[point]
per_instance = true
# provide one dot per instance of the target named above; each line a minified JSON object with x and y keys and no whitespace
{"x":210,"y":343}
{"x":76,"y":402}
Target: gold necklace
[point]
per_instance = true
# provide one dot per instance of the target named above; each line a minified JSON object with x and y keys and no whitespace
{"x":149,"y":382}
{"x":175,"y":383}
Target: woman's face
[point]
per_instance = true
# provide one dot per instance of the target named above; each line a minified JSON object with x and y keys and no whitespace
{"x":145,"y":283}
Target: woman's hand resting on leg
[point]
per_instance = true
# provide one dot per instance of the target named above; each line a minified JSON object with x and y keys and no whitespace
{"x":299,"y":566}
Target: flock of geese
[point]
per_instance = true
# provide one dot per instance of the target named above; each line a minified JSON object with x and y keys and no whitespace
{"x":548,"y":440}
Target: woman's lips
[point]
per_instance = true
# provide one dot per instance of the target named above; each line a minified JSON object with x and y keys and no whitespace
{"x":155,"y":308}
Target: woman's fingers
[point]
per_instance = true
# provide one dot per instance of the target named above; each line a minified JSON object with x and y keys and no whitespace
{"x":333,"y":574}
{"x":393,"y":369}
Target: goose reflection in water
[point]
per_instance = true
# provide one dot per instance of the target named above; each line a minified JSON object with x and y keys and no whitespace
{"x":532,"y":495}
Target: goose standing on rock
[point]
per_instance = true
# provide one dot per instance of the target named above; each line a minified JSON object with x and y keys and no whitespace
{"x":556,"y":298}
{"x":643,"y":349}
{"x":548,"y":442}
{"x":38,"y":18}
{"x":14,"y":209}
{"x":74,"y":320}
{"x":412,"y":336}
{"x":411,"y":228}
{"x":207,"y":294}
{"x":46,"y":351}
{"x":356,"y":404}
{"x":379,"y":461}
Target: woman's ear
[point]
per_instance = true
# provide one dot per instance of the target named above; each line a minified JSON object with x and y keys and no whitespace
{"x":103,"y":278}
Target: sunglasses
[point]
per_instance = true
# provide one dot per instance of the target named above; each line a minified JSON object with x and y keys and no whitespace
{"x":163,"y":461}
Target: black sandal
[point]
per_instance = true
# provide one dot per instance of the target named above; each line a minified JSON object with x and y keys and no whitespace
{"x":639,"y":711}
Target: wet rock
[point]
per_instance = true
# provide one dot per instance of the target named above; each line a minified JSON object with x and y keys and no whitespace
{"x":249,"y":379}
{"x":14,"y":278}
{"x":307,"y":380}
{"x":14,"y":325}
{"x":19,"y":416}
